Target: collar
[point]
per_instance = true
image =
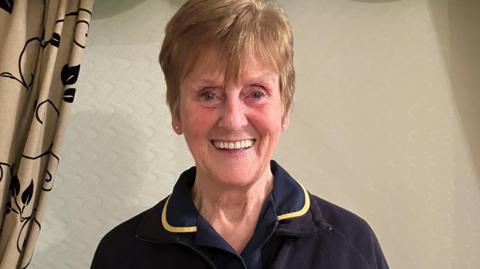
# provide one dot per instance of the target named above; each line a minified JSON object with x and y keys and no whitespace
{"x":175,"y":217}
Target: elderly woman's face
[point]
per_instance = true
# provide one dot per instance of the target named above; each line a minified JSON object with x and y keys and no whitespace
{"x":231,"y":127}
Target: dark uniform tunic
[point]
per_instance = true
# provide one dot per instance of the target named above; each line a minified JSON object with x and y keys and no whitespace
{"x":295,"y":230}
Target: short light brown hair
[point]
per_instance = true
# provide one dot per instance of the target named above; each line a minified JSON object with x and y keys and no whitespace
{"x":237,"y":29}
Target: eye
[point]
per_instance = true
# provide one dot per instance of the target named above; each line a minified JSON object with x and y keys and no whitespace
{"x":210,"y":97}
{"x":257,"y":93}
{"x":207,"y":95}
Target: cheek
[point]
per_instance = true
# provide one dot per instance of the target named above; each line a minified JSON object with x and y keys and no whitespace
{"x":197,"y":120}
{"x":268,"y":119}
{"x":268,"y":126}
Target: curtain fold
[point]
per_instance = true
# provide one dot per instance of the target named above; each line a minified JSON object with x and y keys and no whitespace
{"x":41,"y":48}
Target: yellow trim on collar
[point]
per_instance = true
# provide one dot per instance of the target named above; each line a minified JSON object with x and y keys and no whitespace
{"x":172,"y":229}
{"x":300,"y":212}
{"x":193,"y":229}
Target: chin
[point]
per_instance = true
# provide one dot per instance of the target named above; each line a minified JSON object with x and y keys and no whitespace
{"x":237,"y":177}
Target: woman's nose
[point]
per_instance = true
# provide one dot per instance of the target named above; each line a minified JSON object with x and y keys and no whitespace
{"x":233,"y":115}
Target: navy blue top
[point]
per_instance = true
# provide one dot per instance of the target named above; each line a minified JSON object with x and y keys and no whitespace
{"x":181,"y":213}
{"x":295,"y":230}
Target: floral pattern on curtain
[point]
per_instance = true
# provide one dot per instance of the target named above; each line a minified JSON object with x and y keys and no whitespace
{"x":42,"y":43}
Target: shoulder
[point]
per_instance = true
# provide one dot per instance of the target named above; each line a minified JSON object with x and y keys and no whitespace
{"x":339,"y":218}
{"x":119,"y":241}
{"x":122,"y":233}
{"x":114,"y":244}
{"x":351,"y":230}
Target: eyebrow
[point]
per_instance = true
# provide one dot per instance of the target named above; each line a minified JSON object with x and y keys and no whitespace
{"x":265,"y":77}
{"x":208,"y":81}
{"x":202,"y":79}
{"x":202,"y":83}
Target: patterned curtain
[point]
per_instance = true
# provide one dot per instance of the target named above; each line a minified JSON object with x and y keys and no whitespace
{"x":42,"y":43}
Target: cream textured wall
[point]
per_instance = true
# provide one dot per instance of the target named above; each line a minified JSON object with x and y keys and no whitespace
{"x":384,"y":124}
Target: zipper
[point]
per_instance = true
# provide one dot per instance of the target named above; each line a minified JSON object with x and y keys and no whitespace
{"x":286,"y":232}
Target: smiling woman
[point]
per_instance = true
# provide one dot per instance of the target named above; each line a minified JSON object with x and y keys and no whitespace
{"x":217,"y":118}
{"x":228,"y":65}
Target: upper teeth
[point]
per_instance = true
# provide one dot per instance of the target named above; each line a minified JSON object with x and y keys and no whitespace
{"x":241,"y":144}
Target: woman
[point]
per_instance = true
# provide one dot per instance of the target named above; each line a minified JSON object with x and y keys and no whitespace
{"x":228,"y":66}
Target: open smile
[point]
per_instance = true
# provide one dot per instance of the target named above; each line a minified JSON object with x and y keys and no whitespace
{"x":233,"y":145}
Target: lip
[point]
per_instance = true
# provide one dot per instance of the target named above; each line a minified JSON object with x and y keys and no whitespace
{"x":233,"y":139}
{"x":227,"y":150}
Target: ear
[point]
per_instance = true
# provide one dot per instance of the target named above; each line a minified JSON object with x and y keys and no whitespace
{"x":286,"y":121}
{"x":177,"y":125}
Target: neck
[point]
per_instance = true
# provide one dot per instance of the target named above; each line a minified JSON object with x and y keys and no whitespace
{"x":232,"y":211}
{"x":228,"y":203}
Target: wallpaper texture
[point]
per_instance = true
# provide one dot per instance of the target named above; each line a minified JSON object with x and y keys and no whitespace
{"x":382,"y":124}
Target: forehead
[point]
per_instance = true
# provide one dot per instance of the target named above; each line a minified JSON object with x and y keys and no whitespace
{"x":210,"y":67}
